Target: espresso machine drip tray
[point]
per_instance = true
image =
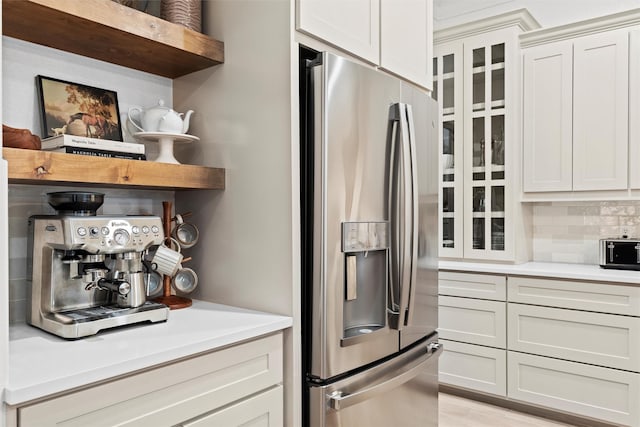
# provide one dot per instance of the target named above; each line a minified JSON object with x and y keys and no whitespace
{"x":89,"y":321}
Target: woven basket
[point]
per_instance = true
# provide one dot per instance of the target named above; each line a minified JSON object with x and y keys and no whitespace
{"x":187,"y":13}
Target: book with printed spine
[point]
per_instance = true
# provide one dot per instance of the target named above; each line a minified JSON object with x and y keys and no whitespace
{"x":99,"y":153}
{"x":64,"y":140}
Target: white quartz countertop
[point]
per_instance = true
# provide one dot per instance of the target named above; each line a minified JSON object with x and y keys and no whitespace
{"x":41,"y":364}
{"x":548,"y":269}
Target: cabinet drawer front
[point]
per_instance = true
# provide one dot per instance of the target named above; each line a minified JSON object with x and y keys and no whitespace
{"x":605,"y":298}
{"x":167,"y":395}
{"x":474,"y":367}
{"x":601,"y":339}
{"x":263,"y":410}
{"x":472,"y":321}
{"x":591,"y":391}
{"x":484,"y":286}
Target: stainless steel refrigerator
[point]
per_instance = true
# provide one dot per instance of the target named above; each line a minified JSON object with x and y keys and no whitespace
{"x":369,"y":197}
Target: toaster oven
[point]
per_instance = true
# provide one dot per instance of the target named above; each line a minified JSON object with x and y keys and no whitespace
{"x":620,"y":254}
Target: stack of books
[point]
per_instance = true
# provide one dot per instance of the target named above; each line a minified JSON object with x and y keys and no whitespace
{"x":94,"y":147}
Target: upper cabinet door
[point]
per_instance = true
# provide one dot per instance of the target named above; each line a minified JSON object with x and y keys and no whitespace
{"x":634,"y":109}
{"x":600,"y":111}
{"x":406,"y":39}
{"x":547,"y":115}
{"x":352,"y":25}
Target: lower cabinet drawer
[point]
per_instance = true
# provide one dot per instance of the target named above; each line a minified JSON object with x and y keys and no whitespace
{"x":262,"y":410}
{"x":472,"y":321}
{"x":586,"y":390}
{"x":474,"y":367}
{"x":168,"y":395}
{"x":577,"y":295}
{"x":601,"y":339}
{"x":472,"y":285}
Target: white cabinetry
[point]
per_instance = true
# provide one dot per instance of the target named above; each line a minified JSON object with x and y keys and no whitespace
{"x":634,"y":109}
{"x":228,"y":387}
{"x":571,"y":346}
{"x":477,"y":84}
{"x":406,"y":39}
{"x":394,"y":34}
{"x":575,"y":347}
{"x":473,"y":331}
{"x":600,"y":111}
{"x":547,"y":127}
{"x":353,"y":25}
{"x":578,"y":97}
{"x":592,"y":391}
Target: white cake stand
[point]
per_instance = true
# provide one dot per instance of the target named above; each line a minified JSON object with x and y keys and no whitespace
{"x":166,"y":141}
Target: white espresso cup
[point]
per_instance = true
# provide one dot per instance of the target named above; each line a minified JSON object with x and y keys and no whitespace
{"x":186,"y":234}
{"x":166,"y":261}
{"x":185,"y":281}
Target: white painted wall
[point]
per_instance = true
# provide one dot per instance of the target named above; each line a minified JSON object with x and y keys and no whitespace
{"x":549,"y":13}
{"x":246,"y":114}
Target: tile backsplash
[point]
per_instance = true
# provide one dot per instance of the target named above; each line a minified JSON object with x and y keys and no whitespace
{"x":570,"y":231}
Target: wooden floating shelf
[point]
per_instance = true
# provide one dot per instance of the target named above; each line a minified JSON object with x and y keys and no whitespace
{"x":43,"y":167}
{"x":108,"y":31}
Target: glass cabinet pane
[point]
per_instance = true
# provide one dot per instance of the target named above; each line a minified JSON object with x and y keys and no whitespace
{"x":448,"y":144}
{"x":497,"y":53}
{"x":478,"y":199}
{"x":497,"y":234}
{"x":478,"y":233}
{"x":448,"y":141}
{"x":478,"y":94}
{"x":478,"y":143}
{"x":434,"y":92}
{"x":478,"y":57}
{"x":497,"y":198}
{"x":448,"y":234}
{"x":497,"y":147}
{"x":448,"y":201}
{"x":478,"y":90}
{"x":448,"y":80}
{"x":497,"y":88}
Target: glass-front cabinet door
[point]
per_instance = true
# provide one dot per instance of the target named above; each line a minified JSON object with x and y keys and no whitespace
{"x":448,"y":91}
{"x":476,"y":76}
{"x":485,"y":156}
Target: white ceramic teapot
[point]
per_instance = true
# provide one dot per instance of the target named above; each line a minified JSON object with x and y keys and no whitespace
{"x":160,"y":119}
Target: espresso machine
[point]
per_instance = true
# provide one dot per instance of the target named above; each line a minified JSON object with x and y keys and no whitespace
{"x":87,"y":271}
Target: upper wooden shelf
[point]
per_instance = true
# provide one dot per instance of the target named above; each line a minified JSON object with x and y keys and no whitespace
{"x":109,"y":31}
{"x":43,"y":167}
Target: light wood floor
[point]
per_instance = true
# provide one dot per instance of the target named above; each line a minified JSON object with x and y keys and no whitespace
{"x":460,"y":412}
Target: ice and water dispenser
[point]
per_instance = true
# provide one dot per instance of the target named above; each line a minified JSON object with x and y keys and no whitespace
{"x":365,"y":246}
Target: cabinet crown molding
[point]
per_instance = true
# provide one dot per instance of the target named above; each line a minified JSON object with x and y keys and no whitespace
{"x":519,"y":17}
{"x":582,"y":28}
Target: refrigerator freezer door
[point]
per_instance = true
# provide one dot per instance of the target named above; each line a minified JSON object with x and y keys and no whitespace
{"x":351,"y":132}
{"x":400,"y":392}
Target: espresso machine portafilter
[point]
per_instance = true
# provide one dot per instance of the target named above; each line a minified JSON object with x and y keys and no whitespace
{"x":87,"y":271}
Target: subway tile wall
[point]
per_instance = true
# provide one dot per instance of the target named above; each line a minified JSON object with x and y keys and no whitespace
{"x":570,"y":231}
{"x":27,"y":200}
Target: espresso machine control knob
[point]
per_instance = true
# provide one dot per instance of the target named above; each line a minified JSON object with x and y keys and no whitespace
{"x":121,"y":237}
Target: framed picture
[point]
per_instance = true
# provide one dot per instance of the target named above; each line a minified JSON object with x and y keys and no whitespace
{"x":75,"y":109}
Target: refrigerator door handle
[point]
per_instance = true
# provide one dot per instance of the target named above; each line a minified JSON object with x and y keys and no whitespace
{"x":403,"y":214}
{"x":412,"y":231}
{"x":338,"y":400}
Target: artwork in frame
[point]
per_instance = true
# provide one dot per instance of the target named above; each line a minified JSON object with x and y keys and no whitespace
{"x":76,"y":109}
